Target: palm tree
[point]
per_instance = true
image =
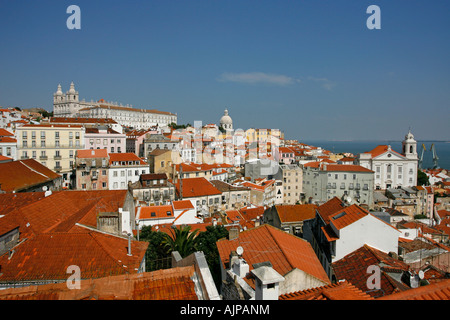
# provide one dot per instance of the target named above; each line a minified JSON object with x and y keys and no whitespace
{"x":181,"y":240}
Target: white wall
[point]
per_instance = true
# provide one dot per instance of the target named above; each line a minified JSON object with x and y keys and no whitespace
{"x":368,"y":230}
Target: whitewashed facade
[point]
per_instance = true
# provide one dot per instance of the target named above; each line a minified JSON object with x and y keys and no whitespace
{"x":392,"y":169}
{"x":68,"y":105}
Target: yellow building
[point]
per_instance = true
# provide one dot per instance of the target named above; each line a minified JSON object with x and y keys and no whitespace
{"x":52,"y":145}
{"x":254,"y":135}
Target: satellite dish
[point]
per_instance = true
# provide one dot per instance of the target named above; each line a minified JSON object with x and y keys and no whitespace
{"x":239,"y":250}
{"x":421,"y":274}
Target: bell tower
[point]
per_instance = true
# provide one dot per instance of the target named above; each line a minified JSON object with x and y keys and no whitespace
{"x":410,"y":146}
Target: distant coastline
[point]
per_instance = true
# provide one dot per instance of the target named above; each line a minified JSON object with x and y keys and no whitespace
{"x":359,"y":146}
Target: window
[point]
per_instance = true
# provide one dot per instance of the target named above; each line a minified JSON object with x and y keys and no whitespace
{"x":42,"y":134}
{"x":114,"y":173}
{"x":42,"y":143}
{"x":70,"y":153}
{"x":57,"y":134}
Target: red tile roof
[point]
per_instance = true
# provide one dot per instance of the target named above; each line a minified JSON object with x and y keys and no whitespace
{"x":297,"y":212}
{"x":167,"y":284}
{"x":47,"y":256}
{"x":182,"y":204}
{"x":23,"y":174}
{"x":197,"y":187}
{"x":379,"y":150}
{"x":11,"y":201}
{"x":353,"y":268}
{"x":92,"y":153}
{"x":266,"y":243}
{"x":436,"y":291}
{"x":329,"y":208}
{"x":5,"y":133}
{"x":7,"y":140}
{"x":120,"y":157}
{"x":61,"y":210}
{"x":347,"y":216}
{"x":155,"y":212}
{"x":337,"y":291}
{"x":346,"y":168}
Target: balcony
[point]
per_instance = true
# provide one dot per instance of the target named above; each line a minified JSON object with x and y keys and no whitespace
{"x":43,"y":158}
{"x":58,"y":168}
{"x":94,"y":177}
{"x":57,"y":157}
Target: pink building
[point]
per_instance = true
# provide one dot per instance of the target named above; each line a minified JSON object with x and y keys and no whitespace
{"x":92,"y":169}
{"x":105,"y":138}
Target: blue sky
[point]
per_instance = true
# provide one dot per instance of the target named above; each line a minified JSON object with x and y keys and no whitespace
{"x":310,"y":68}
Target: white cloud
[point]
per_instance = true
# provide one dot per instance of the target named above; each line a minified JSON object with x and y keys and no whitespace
{"x":258,"y":77}
{"x":327,"y":84}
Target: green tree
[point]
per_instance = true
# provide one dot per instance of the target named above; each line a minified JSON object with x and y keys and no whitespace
{"x":156,"y":253}
{"x":206,"y":242}
{"x":422,"y":178}
{"x":181,"y":240}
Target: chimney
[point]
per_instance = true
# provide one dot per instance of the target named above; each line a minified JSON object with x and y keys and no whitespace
{"x":233,"y":233}
{"x":267,"y":281}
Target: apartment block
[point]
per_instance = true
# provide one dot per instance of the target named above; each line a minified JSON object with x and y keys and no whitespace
{"x":54,"y":146}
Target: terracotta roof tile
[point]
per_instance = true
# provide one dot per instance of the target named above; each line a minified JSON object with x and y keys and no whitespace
{"x":155,"y":212}
{"x":329,"y":208}
{"x":266,"y":243}
{"x":297,"y":212}
{"x":353,"y":268}
{"x":197,"y":187}
{"x":436,"y":291}
{"x":338,"y":291}
{"x":47,"y":256}
{"x":347,"y":216}
{"x":168,"y":284}
{"x":92,"y":153}
{"x":23,"y":174}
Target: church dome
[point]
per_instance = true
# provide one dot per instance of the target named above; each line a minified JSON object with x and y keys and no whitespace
{"x":226,"y":119}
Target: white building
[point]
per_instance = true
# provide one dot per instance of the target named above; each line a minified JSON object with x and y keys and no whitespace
{"x":105,"y":138}
{"x":181,"y":212}
{"x":8,"y":144}
{"x":125,"y":168}
{"x":68,"y":105}
{"x":391,"y":168}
